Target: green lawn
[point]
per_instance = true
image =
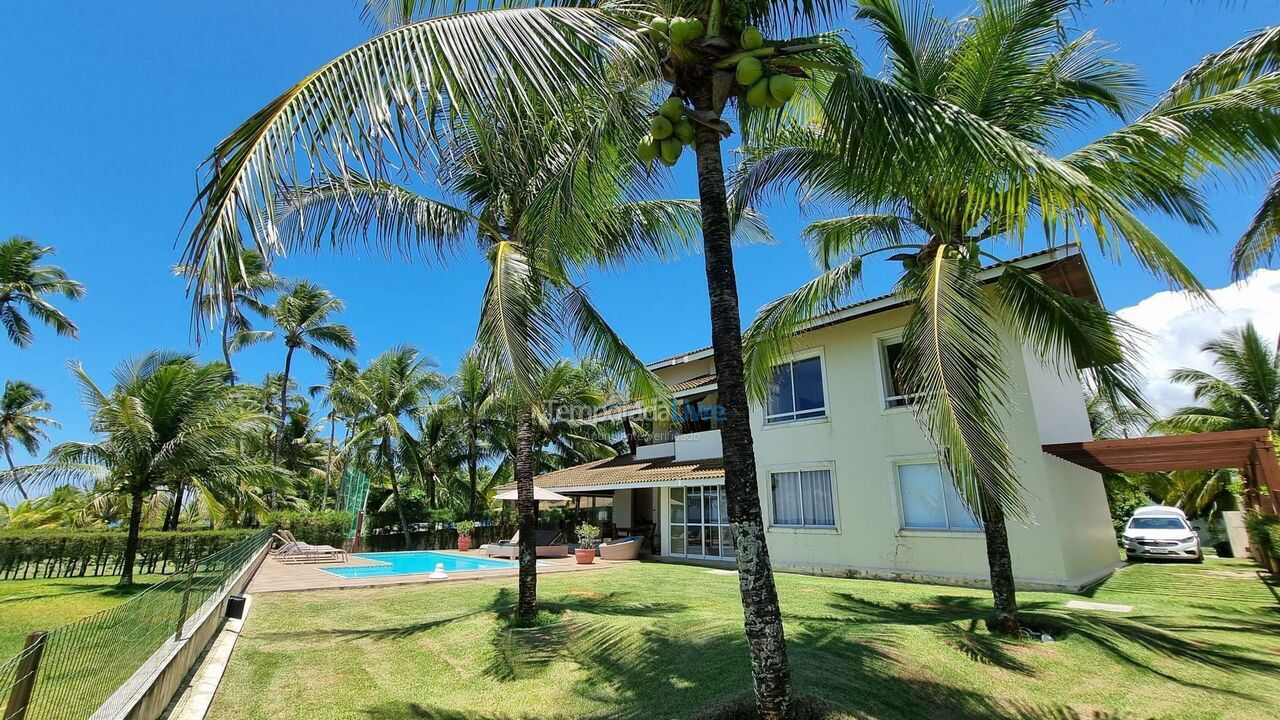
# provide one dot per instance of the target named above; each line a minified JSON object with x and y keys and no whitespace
{"x":665,"y":641}
{"x":28,"y":605}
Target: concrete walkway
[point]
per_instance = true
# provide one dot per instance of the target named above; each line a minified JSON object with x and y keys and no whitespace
{"x":275,"y":576}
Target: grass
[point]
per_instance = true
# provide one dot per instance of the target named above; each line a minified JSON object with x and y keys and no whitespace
{"x":29,"y":605}
{"x":665,"y":641}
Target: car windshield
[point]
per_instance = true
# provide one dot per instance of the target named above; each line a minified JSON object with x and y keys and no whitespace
{"x":1156,"y":523}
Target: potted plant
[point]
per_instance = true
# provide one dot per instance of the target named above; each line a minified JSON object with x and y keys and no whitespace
{"x":464,"y":528}
{"x":588,"y":535}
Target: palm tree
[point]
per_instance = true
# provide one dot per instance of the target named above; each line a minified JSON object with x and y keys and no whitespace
{"x":1012,"y":74}
{"x":302,"y":317}
{"x":168,"y":420}
{"x":342,"y":406}
{"x":382,"y":104}
{"x":473,"y":404}
{"x":249,"y":280}
{"x":437,"y":451}
{"x":21,"y":423}
{"x":1243,"y":394}
{"x":23,"y":285}
{"x":395,"y":386}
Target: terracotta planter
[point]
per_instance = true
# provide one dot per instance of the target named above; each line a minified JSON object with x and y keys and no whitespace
{"x":464,"y":542}
{"x":585,"y":556}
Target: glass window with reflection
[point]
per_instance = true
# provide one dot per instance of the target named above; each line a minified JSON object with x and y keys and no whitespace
{"x":796,"y":392}
{"x":930,"y":501}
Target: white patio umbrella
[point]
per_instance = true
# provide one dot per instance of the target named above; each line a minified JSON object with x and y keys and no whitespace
{"x":539,"y":494}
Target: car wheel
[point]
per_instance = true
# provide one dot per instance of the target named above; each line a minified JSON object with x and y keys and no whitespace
{"x":1199,"y":559}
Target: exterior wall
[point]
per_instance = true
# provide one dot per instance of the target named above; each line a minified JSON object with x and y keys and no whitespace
{"x":622,"y":508}
{"x":673,"y":374}
{"x":1068,"y":544}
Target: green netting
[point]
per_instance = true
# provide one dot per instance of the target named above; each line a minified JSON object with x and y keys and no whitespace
{"x":353,"y":495}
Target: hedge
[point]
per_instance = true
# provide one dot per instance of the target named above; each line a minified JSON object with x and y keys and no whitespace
{"x":441,"y":539}
{"x":1264,"y":534}
{"x":317,"y":528}
{"x":27,"y":554}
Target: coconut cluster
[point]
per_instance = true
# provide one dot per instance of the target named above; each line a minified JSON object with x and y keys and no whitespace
{"x":677,"y":31}
{"x":669,"y":131}
{"x":762,"y":90}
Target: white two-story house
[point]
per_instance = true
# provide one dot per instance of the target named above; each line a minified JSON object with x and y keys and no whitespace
{"x":850,"y":484}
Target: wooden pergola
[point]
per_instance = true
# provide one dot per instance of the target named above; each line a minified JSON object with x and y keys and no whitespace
{"x":1251,"y":451}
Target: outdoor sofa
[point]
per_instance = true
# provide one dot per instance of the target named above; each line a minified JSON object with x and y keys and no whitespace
{"x":545,"y":540}
{"x":627,"y":548}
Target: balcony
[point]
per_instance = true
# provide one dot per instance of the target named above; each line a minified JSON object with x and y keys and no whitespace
{"x":682,"y":446}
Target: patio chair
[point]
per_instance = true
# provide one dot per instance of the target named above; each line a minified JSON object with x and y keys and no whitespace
{"x":292,"y":550}
{"x":628,"y":548}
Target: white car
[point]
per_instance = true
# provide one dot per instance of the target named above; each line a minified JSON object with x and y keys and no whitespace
{"x":1158,"y":531}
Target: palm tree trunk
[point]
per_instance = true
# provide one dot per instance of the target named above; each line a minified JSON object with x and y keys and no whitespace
{"x":1000,"y":564}
{"x":395,"y":489}
{"x":527,"y":512}
{"x":328,"y":468}
{"x":131,"y":542}
{"x":14,"y":471}
{"x":770,"y":670}
{"x":175,"y":512}
{"x":431,"y":490}
{"x":226,"y":348}
{"x":284,"y":401}
{"x":472,"y":473}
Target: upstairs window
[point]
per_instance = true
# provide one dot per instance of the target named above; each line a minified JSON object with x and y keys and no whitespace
{"x":895,"y":395}
{"x":796,"y":392}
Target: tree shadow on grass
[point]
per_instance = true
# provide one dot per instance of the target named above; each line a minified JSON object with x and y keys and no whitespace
{"x":1119,"y":636}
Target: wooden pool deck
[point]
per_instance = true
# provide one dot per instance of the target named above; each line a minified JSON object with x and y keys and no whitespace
{"x":276,"y":576}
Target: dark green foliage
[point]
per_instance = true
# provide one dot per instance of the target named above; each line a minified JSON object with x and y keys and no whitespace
{"x":28,"y":554}
{"x":317,"y":528}
{"x":1264,"y":533}
{"x":1123,"y":498}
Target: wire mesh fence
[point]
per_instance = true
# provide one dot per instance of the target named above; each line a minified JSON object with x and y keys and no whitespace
{"x":71,"y":671}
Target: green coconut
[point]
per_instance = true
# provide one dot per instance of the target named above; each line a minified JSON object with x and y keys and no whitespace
{"x":696,"y":29}
{"x":751,"y":39}
{"x":670,"y":150}
{"x":758,"y":94}
{"x":774,"y":102}
{"x":683,"y":131}
{"x":660,"y":127}
{"x":647,"y":150}
{"x":658,"y":28}
{"x":749,"y":71}
{"x":782,"y":87}
{"x":671,"y":109}
{"x":678,"y":30}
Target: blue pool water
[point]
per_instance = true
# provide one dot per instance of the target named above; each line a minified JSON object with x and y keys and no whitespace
{"x":409,"y":563}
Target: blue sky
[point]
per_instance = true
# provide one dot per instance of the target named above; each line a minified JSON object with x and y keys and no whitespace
{"x":109,"y":108}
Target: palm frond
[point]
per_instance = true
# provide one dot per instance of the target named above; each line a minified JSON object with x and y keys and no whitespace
{"x":953,"y":364}
{"x":1258,"y":244}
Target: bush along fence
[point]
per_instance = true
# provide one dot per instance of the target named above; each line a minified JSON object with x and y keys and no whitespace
{"x":442,"y":539}
{"x":1264,"y":537}
{"x":68,"y":673}
{"x":30,"y":554}
{"x":329,"y":527}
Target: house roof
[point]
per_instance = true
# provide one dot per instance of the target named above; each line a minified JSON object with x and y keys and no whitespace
{"x":1062,"y":267}
{"x":692,"y":386}
{"x":626,"y":471}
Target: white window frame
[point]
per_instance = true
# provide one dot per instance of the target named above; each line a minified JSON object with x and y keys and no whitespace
{"x":889,"y":403}
{"x":903,"y":528}
{"x":830,"y":467}
{"x":768,"y":422}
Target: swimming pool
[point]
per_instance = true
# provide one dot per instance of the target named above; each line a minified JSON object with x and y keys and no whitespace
{"x":410,"y":563}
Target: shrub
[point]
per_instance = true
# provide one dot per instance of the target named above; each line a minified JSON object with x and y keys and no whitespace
{"x":1264,"y":533}
{"x":329,"y":527}
{"x":83,"y":553}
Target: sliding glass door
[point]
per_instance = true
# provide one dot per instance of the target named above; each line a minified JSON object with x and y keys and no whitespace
{"x":700,"y":523}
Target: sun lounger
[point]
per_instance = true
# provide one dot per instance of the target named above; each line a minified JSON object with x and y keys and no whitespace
{"x":627,"y":548}
{"x":292,"y":550}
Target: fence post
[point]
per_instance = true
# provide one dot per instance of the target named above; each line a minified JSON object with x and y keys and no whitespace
{"x":186,"y":599}
{"x":20,"y":695}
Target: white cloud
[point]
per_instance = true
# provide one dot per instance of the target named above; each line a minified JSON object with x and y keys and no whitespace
{"x":1179,"y":325}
